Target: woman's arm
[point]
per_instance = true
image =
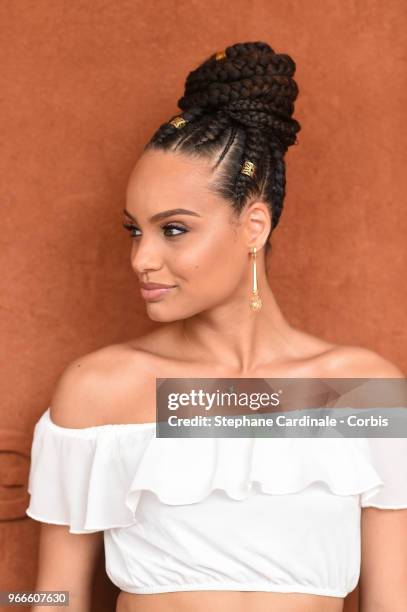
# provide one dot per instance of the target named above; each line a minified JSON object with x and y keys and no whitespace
{"x":383,"y":577}
{"x":383,"y":574}
{"x":67,"y":562}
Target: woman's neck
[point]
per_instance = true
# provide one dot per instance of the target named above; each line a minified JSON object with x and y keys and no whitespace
{"x":236,"y":337}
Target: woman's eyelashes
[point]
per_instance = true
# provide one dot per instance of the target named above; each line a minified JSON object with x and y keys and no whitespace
{"x":172,"y":226}
{"x":168,"y":226}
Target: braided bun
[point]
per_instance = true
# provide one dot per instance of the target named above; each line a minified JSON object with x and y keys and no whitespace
{"x":241,"y":105}
{"x":252,"y":85}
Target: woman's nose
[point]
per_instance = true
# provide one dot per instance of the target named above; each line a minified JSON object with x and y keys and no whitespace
{"x":144,"y":258}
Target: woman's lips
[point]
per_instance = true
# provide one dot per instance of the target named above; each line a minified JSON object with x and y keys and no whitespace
{"x":154,"y":294}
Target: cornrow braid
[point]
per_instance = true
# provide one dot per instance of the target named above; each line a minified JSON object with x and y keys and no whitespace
{"x":237,"y":109}
{"x":166,"y":130}
{"x":213,"y":128}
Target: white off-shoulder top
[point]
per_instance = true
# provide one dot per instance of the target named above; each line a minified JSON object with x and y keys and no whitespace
{"x":244,"y":514}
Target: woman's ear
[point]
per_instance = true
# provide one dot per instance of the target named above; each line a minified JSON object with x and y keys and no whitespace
{"x":256,"y":223}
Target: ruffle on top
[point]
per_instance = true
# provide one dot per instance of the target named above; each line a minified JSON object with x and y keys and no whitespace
{"x":92,"y":478}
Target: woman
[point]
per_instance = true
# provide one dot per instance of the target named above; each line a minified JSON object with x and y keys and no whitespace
{"x":202,"y":202}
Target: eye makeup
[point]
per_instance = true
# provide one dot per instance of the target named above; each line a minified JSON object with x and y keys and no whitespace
{"x":131,"y":227}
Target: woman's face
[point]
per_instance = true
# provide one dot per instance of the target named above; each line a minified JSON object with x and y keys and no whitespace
{"x":201,"y":253}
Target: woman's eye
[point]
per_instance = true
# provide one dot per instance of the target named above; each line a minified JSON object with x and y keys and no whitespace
{"x":171,"y":226}
{"x":130,"y":228}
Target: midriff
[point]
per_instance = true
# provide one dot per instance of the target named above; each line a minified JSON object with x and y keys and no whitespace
{"x":227,"y":601}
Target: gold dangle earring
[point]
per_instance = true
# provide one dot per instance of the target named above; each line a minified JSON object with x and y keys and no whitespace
{"x":255,"y":300}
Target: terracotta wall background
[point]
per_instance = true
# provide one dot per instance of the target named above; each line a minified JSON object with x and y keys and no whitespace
{"x":84,"y":84}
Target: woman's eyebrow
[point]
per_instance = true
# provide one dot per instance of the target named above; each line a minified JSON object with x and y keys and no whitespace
{"x":166,"y":213}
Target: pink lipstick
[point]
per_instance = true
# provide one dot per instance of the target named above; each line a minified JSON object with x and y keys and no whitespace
{"x":154,"y":291}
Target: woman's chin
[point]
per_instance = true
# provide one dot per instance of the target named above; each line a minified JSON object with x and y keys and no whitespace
{"x":157,"y":312}
{"x":163,"y":313}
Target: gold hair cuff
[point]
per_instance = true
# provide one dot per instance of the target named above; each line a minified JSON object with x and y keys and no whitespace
{"x":220,"y":55}
{"x":178,"y":122}
{"x":249,"y":168}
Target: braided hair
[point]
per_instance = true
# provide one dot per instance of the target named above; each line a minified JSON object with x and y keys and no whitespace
{"x":238,"y":106}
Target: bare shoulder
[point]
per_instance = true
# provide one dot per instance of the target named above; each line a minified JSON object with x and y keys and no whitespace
{"x":359,"y":362}
{"x":96,"y":388}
